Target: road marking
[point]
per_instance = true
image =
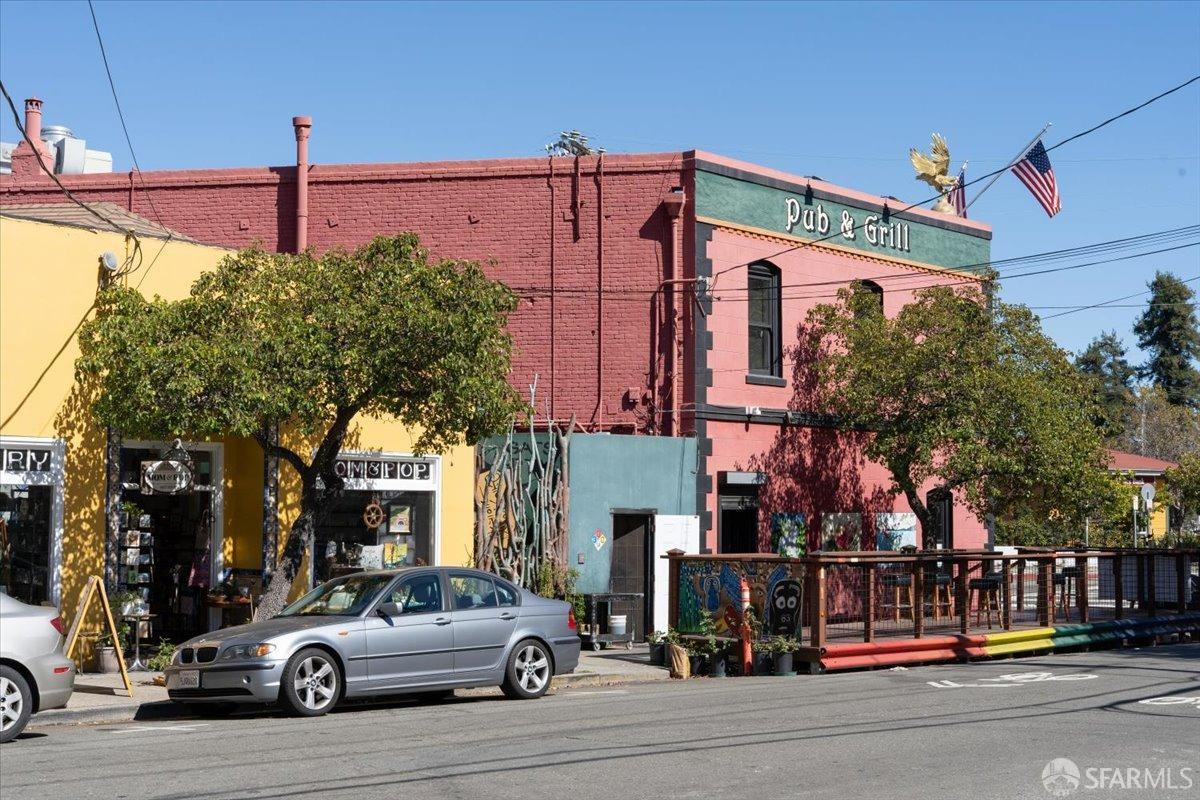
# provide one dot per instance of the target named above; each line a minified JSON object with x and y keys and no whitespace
{"x":1170,"y":700}
{"x":1010,"y":680}
{"x":582,"y":693}
{"x":182,"y":728}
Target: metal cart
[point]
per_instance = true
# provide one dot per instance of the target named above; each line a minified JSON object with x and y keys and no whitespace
{"x":597,"y":608}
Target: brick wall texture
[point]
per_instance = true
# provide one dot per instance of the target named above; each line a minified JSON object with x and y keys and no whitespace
{"x":535,"y":230}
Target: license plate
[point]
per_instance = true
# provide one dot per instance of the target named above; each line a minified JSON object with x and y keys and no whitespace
{"x":188,"y":679}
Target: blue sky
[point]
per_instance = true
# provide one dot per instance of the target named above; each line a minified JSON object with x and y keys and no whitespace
{"x":836,"y":90}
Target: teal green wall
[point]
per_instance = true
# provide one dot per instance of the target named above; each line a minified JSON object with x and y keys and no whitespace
{"x":745,"y":203}
{"x":623,"y":472}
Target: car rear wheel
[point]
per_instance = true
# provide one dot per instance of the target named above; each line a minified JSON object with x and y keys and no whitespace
{"x":311,"y":683}
{"x":16,"y":704}
{"x":529,"y":671}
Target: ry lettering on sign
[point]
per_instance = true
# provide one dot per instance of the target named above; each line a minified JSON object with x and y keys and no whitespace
{"x":25,"y":459}
{"x":877,"y":230}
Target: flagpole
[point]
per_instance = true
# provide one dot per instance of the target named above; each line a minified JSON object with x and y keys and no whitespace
{"x":1017,"y":158}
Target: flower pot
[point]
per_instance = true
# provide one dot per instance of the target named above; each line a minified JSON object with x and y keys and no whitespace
{"x":106,"y":660}
{"x":657,"y":654}
{"x":783,"y":664}
{"x":717,"y":666}
{"x":696,"y":663}
{"x":763,"y":663}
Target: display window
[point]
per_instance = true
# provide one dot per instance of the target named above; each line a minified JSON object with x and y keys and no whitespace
{"x":385,"y":517}
{"x":31,"y":518}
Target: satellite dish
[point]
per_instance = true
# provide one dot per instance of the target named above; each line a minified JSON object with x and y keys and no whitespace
{"x":1148,"y":493}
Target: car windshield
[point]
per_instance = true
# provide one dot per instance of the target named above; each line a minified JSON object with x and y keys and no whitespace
{"x":341,"y":597}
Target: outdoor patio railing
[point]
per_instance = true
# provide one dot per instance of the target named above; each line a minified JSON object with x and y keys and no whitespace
{"x":864,"y":596}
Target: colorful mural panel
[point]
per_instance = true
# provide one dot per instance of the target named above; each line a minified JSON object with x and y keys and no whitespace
{"x":716,"y":587}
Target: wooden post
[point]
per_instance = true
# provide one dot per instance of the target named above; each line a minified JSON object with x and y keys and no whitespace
{"x":1081,"y":587}
{"x":1118,"y":586}
{"x":1020,"y":584}
{"x":869,"y":610}
{"x":1045,"y":570}
{"x":1006,"y":594}
{"x":816,"y":581}
{"x":673,"y":565}
{"x":964,"y":600}
{"x":1180,"y":582}
{"x":917,"y":609}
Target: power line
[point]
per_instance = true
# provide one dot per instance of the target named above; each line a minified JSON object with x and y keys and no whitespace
{"x":129,"y":266}
{"x":121,"y":115}
{"x":1106,"y":302}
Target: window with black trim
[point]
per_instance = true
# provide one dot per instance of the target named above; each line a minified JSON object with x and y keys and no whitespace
{"x":874,"y":293}
{"x":766,"y":345}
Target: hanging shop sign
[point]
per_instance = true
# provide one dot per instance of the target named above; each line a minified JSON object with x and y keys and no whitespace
{"x":382,"y":468}
{"x":167,"y":476}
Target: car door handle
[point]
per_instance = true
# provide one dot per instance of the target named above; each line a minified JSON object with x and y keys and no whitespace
{"x":508,"y":615}
{"x":441,"y":621}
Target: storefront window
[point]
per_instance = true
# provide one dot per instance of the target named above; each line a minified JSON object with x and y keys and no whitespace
{"x":374,"y":530}
{"x":26,"y":528}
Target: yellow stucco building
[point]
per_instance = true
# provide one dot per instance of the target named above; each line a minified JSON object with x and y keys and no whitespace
{"x":60,"y":470}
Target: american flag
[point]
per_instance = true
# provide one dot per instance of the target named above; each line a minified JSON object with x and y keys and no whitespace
{"x":958,"y":194}
{"x":1035,"y":172}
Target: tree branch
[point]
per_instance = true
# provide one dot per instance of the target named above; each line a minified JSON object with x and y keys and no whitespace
{"x":273,"y":449}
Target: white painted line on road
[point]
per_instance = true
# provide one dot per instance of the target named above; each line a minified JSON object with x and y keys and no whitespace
{"x":582,"y":693}
{"x":182,"y":728}
{"x":1011,"y":680}
{"x":1171,"y":700}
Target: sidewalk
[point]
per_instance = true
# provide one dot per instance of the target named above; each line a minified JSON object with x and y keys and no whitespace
{"x":101,"y":697}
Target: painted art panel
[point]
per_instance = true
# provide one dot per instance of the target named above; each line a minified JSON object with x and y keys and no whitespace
{"x":841,"y":531}
{"x":893,"y":531}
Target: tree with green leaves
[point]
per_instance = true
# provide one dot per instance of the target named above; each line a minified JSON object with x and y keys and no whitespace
{"x":1183,"y":483}
{"x":304,"y":344}
{"x":965,"y":393}
{"x":1168,"y":330}
{"x":1105,"y":362}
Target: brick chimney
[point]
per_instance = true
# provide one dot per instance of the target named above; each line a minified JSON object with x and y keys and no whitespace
{"x":24,"y":157}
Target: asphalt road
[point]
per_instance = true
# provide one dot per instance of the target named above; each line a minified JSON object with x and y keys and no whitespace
{"x":979,"y":732}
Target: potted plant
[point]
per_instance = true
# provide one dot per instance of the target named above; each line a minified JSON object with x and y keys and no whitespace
{"x":128,"y":515}
{"x":658,"y":647}
{"x":107,"y":647}
{"x":763,"y":658}
{"x":710,"y":646}
{"x":782,"y":648}
{"x":162,"y":657}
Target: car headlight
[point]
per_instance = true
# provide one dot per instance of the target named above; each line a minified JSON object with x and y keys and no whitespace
{"x":247,"y":651}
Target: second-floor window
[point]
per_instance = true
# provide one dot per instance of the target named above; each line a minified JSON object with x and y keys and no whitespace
{"x":766,"y":346}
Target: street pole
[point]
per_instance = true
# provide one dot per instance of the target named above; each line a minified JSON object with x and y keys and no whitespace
{"x":1017,"y":158}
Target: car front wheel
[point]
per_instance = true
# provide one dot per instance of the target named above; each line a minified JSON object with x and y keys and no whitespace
{"x":529,"y":671}
{"x":311,"y":683}
{"x":16,"y":704}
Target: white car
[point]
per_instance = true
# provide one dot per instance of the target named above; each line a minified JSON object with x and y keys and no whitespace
{"x":34,"y":673}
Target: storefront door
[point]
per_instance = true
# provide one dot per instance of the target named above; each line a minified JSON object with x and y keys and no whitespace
{"x":169,"y":547}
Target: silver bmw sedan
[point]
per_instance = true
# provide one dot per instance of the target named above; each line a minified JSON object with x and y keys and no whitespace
{"x":407,"y":631}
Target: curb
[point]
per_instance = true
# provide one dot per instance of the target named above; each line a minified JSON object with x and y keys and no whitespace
{"x":152,"y":710}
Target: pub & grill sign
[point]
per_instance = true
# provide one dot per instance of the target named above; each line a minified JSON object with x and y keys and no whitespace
{"x":166,"y":476}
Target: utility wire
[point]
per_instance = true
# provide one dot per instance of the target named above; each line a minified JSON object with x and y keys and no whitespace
{"x":1107,"y":302}
{"x":129,"y":266}
{"x":121,"y":115}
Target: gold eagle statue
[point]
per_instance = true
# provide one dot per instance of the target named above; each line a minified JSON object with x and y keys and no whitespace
{"x":934,"y":169}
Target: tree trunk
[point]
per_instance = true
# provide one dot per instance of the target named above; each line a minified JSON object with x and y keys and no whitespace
{"x":276,"y":596}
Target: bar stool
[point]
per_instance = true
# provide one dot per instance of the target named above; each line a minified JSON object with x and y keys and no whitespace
{"x":898,"y":582}
{"x":985,"y":593}
{"x":1065,"y":588}
{"x":943,"y":593}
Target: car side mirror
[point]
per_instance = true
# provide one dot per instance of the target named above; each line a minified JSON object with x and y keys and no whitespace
{"x":389,"y":610}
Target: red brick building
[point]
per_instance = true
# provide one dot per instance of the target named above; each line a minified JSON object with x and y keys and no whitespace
{"x":661,"y":294}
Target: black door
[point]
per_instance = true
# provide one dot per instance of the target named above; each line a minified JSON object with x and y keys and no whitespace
{"x":630,"y":572}
{"x":940,"y":503}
